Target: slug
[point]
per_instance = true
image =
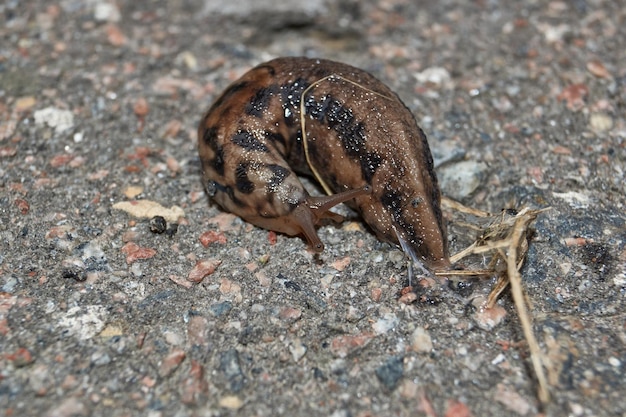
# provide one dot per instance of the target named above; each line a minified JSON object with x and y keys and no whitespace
{"x":339,"y":124}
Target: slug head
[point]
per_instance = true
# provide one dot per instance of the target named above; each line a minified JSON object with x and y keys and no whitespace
{"x":307,"y":214}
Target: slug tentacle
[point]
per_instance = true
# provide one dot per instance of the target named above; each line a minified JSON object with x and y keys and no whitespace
{"x":306,"y":216}
{"x":339,"y":124}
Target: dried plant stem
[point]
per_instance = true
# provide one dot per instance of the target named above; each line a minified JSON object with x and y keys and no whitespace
{"x":519,"y":232}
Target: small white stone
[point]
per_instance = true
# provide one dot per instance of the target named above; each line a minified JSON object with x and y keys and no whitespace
{"x":106,"y":12}
{"x":421,"y":341}
{"x":58,"y":119}
{"x":386,"y":323}
{"x":297,"y":349}
{"x":84,"y":322}
{"x":498,"y":359}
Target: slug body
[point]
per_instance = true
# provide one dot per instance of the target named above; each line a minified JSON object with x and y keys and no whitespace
{"x":337,"y":123}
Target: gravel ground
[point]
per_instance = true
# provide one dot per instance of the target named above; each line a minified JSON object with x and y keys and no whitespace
{"x":524,"y":105}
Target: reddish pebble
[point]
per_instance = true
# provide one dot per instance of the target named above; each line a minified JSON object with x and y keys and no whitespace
{"x":561,"y":150}
{"x":272,"y":237}
{"x":457,"y":409}
{"x":172,"y":128}
{"x":197,"y":332}
{"x":212,"y":236}
{"x":290,"y":314}
{"x":148,"y":381}
{"x":171,"y":362}
{"x":135,"y":252}
{"x":60,"y":160}
{"x":115,"y":36}
{"x":194,"y":384}
{"x":202,"y":270}
{"x":342,"y":346}
{"x":408,"y":298}
{"x":22,"y":205}
{"x":20,"y":357}
{"x":180,"y":281}
{"x":341,"y":264}
{"x":573,"y":96}
{"x":6,"y":151}
{"x":140,"y":107}
{"x":598,"y":69}
{"x":489,"y":318}
{"x":376,"y":294}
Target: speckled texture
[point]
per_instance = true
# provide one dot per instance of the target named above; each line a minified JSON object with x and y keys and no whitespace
{"x":99,"y":104}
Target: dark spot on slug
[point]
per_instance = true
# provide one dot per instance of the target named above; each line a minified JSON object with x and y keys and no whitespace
{"x":218,"y":161}
{"x":351,"y":133}
{"x":210,"y":137}
{"x":275,"y":137}
{"x":290,"y":96}
{"x":280,"y":173}
{"x":370,"y":162}
{"x":261,"y":101}
{"x":393,"y":201}
{"x":243,"y":183}
{"x":248,"y":142}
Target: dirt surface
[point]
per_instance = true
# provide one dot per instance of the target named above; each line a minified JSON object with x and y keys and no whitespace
{"x":524,"y":105}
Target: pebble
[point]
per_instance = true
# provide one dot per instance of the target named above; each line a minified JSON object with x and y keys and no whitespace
{"x":275,"y":14}
{"x":386,"y":323}
{"x":435,"y":76}
{"x":512,"y":400}
{"x":488,"y":318}
{"x":70,"y":406}
{"x":58,"y":119}
{"x":40,"y":379}
{"x":10,"y":284}
{"x":135,"y":252}
{"x":459,"y":180}
{"x":132,"y":191}
{"x":600,"y":122}
{"x":231,"y":402}
{"x":171,"y":362}
{"x":173,"y":338}
{"x":202,"y":269}
{"x":106,"y":12}
{"x":297,"y":349}
{"x":390,"y":373}
{"x":219,"y":309}
{"x":212,"y":236}
{"x":354,"y":314}
{"x":100,"y":358}
{"x":290,"y":314}
{"x":84,"y":322}
{"x":194,"y":384}
{"x":421,"y":341}
{"x":231,"y":368}
{"x":197,"y":330}
{"x":147,"y":209}
{"x":344,"y":345}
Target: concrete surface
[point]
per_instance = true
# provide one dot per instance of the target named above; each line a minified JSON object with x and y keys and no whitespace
{"x":523,"y":104}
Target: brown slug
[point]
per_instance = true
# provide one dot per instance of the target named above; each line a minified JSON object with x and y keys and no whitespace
{"x":337,"y":123}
